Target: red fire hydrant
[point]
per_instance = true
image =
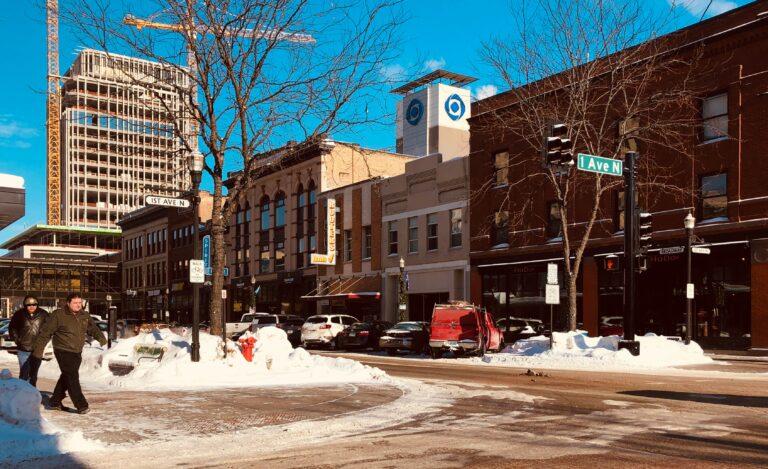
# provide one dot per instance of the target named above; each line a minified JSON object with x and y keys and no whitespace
{"x":247,"y":346}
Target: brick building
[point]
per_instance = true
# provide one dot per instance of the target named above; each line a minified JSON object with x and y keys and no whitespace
{"x":722,"y":185}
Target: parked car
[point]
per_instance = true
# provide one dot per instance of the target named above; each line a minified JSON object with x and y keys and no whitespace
{"x":363,"y":335}
{"x":410,"y":335}
{"x":611,"y":325}
{"x":323,"y":329}
{"x":236,"y":329}
{"x":292,"y":328}
{"x":462,"y":327}
{"x":514,"y":329}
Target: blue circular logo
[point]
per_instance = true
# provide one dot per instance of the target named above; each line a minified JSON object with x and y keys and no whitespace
{"x":454,"y":106}
{"x":414,"y":112}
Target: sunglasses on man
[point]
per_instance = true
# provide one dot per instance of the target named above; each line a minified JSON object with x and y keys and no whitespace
{"x":31,"y":304}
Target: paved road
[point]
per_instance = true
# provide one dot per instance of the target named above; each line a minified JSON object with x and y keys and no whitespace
{"x":463,"y":416}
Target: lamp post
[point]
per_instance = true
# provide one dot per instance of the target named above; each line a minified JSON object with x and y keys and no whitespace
{"x":402,"y":296}
{"x":195,"y":162}
{"x":253,"y":292}
{"x":689,"y":223}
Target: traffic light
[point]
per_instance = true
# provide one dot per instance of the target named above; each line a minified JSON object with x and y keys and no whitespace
{"x":644,"y":232}
{"x":611,"y":263}
{"x":557,"y":146}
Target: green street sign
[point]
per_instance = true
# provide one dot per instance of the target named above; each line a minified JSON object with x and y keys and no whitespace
{"x":598,"y":164}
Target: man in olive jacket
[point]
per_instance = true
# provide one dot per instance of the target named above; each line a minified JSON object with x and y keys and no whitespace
{"x":68,"y":326}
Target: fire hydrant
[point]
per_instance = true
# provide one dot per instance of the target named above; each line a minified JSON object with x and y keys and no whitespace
{"x":247,"y":346}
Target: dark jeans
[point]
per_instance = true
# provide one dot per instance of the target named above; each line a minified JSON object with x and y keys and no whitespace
{"x":69,"y":362}
{"x":29,"y":368}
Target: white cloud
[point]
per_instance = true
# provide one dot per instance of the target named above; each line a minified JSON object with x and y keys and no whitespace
{"x":485,"y":91}
{"x":434,"y":64}
{"x":697,"y":7}
{"x":393,"y":73}
{"x":14,"y":134}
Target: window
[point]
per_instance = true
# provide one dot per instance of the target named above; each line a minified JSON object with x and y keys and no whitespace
{"x":555,"y":224}
{"x":264,"y":213}
{"x":413,"y":235}
{"x":264,"y":259}
{"x":455,"y":227}
{"x":500,"y":227}
{"x":501,"y":168}
{"x":279,"y":255}
{"x":714,"y":117}
{"x":367,"y":240}
{"x":280,"y":209}
{"x":392,"y":238}
{"x":714,"y":198}
{"x":432,"y":232}
{"x":347,"y":245}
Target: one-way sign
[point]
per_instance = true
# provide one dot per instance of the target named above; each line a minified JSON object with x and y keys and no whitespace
{"x":166,"y":201}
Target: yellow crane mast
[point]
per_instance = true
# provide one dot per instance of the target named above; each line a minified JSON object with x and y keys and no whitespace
{"x":53,"y":115}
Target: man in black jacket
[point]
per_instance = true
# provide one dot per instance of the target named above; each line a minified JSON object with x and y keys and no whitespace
{"x":68,"y":327}
{"x":24,"y":328}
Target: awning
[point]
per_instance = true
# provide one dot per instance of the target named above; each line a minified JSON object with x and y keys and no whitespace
{"x":349,"y":288}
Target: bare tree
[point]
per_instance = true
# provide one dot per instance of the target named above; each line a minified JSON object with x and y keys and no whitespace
{"x":258,"y":74}
{"x":602,"y":69}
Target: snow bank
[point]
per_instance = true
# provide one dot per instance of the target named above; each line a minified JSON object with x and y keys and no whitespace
{"x":23,"y":432}
{"x":573,"y":350}
{"x":275,"y":363}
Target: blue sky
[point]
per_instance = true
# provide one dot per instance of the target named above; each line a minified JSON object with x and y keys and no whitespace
{"x":439,"y":34}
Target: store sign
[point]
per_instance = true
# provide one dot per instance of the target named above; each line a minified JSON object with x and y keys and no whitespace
{"x":414,"y":112}
{"x":328,"y":258}
{"x":454,"y":107}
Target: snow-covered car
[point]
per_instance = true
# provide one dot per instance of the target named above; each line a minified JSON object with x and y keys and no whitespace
{"x":322,"y":329}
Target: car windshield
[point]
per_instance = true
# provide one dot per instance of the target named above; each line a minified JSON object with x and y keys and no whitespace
{"x":360,"y":326}
{"x":317,"y":320}
{"x":294,"y":322}
{"x":266,"y":320}
{"x":408,"y":326}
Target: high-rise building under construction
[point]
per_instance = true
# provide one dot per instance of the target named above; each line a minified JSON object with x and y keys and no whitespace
{"x":120,"y":136}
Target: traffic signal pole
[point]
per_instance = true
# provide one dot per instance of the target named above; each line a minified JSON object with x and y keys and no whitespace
{"x":630,"y":261}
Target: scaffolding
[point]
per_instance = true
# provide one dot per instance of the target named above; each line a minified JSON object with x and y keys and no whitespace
{"x":121,"y":131}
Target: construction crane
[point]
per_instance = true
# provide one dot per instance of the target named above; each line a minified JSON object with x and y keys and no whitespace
{"x":271,"y":34}
{"x":53,"y":115}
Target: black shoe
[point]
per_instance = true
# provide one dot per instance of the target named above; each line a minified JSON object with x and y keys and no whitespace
{"x":84,"y":410}
{"x":55,"y":406}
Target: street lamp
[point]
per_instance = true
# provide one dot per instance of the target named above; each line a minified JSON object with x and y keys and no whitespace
{"x":689,"y":223}
{"x":195,"y":162}
{"x":402,"y":296}
{"x":253,"y":292}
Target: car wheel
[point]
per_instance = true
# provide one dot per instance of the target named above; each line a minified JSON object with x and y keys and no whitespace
{"x":391,"y":351}
{"x":435,"y":353}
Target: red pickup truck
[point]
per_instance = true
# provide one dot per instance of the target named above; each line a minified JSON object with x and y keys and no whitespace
{"x":461,"y":328}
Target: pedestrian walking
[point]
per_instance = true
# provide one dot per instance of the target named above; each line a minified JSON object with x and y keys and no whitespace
{"x":68,"y":326}
{"x":24,"y":328}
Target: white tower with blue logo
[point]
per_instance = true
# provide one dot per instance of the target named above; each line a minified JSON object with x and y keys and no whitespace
{"x":432,"y":116}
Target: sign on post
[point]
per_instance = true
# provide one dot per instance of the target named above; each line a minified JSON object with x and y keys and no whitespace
{"x":207,"y":254}
{"x":552,"y":295}
{"x":196,"y":271}
{"x":689,"y":291}
{"x":699,"y":250}
{"x":165,"y":201}
{"x":598,"y":164}
{"x":552,"y":274}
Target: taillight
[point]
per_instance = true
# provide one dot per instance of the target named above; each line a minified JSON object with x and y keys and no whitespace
{"x":280,"y":326}
{"x":363,"y":333}
{"x":325,"y":326}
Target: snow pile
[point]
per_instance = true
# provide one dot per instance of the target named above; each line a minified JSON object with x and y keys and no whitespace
{"x":23,"y":432}
{"x":573,"y":350}
{"x":275,"y":363}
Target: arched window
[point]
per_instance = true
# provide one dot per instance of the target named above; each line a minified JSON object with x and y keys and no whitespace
{"x":279,"y":209}
{"x":264,"y":213}
{"x":311,"y":216}
{"x":301,"y":240}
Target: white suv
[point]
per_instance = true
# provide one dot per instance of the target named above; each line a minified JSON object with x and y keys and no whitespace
{"x":323,"y":329}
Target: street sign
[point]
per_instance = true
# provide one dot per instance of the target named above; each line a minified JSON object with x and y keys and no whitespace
{"x":672,"y":250}
{"x":598,"y":164}
{"x":207,"y":253}
{"x":689,"y":291}
{"x":166,"y":201}
{"x":196,"y":271}
{"x":700,"y":250}
{"x":552,"y":274}
{"x":552,"y":295}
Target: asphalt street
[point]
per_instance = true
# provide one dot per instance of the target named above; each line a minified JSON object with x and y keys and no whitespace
{"x":488,"y":417}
